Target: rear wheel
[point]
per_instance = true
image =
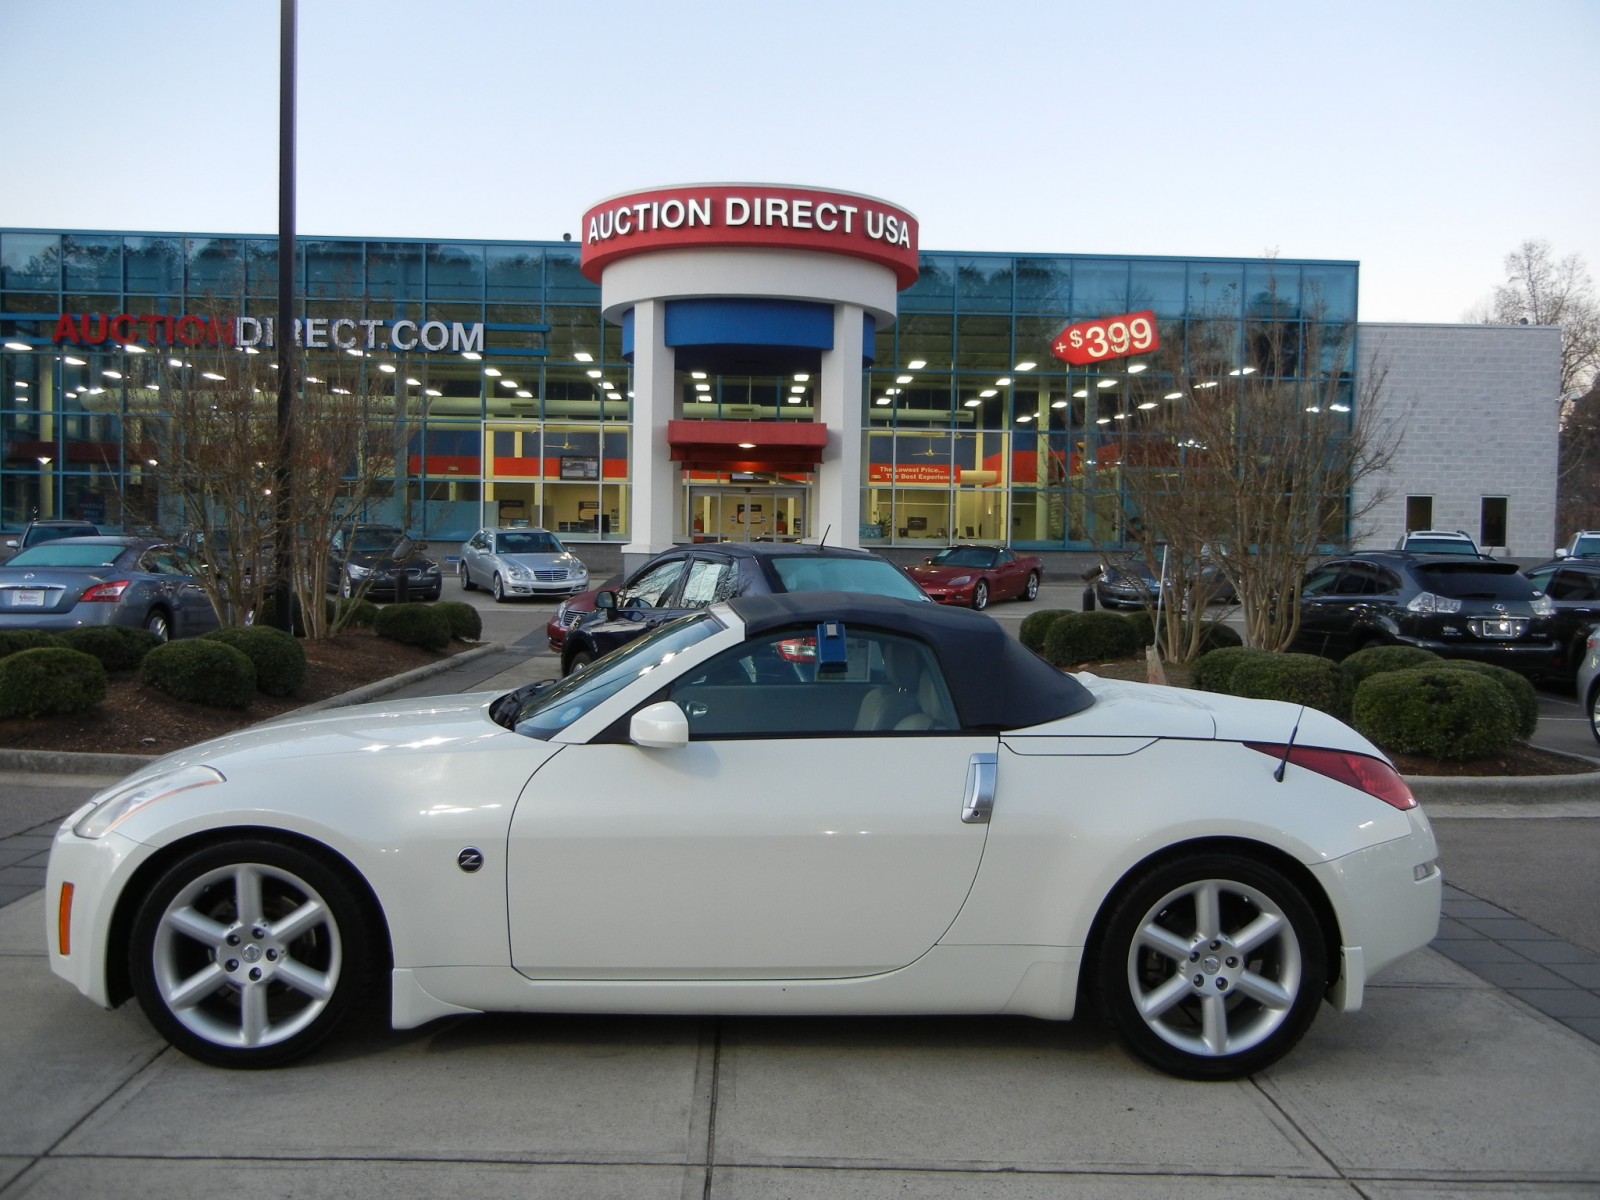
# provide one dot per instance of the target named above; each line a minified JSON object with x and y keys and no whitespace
{"x":1211,"y":966}
{"x":248,"y":953}
{"x":466,"y":580}
{"x":1594,"y":710}
{"x":980,"y":596}
{"x":1031,"y":591}
{"x":159,"y":623}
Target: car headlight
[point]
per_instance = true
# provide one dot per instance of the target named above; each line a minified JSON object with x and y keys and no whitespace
{"x":431,"y":569}
{"x":518,"y":571}
{"x":961,"y":581}
{"x":121,"y":803}
{"x":357,"y":571}
{"x":1543,"y":606}
{"x":561,"y":612}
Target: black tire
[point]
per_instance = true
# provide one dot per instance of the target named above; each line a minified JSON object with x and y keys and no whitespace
{"x":466,"y":580}
{"x":498,"y":589}
{"x":1178,"y":989}
{"x":159,"y":622}
{"x":1594,"y":710}
{"x":202,"y":975}
{"x":1030,"y":591}
{"x":578,"y":662}
{"x":980,"y":596}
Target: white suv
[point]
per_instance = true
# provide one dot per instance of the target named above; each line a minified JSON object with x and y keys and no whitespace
{"x":1438,"y":541}
{"x":1584,"y":544}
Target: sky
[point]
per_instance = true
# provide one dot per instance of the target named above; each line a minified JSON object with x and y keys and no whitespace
{"x":1425,"y":140}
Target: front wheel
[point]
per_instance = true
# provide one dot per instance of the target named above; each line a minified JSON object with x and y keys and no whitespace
{"x":1031,"y":590}
{"x":578,"y":662}
{"x":1211,"y":966}
{"x":248,"y":953}
{"x":466,"y":580}
{"x":499,"y":589}
{"x":980,"y":596}
{"x":1594,"y":710}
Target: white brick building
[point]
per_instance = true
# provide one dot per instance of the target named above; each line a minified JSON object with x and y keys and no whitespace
{"x":1476,"y":410}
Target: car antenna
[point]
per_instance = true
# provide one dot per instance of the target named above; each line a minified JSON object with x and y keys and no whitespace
{"x":825,"y":534}
{"x":1283,"y":762}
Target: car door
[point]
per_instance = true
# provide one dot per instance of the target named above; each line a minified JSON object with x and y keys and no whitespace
{"x":779,"y":843}
{"x":1575,"y":592}
{"x":1324,"y":613}
{"x":180,"y":585}
{"x":472,"y":557}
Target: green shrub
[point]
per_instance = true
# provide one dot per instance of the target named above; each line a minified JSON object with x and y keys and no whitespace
{"x":466,"y":623}
{"x":1035,"y":625}
{"x":1218,"y":635}
{"x":1213,"y":670}
{"x":49,"y":681}
{"x":1078,"y":637}
{"x":13,"y":641}
{"x":353,"y":614}
{"x":279,"y":659}
{"x":1298,"y":678}
{"x":1524,"y":698}
{"x":1364,"y":664}
{"x":266,"y":614}
{"x":203,"y":671}
{"x":118,"y":647}
{"x":414,"y":625}
{"x":1144,"y":625}
{"x":1438,"y":711}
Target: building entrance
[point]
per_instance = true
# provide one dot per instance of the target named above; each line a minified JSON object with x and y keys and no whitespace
{"x":757,"y":513}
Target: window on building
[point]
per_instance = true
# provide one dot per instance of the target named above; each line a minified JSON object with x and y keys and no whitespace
{"x":1419,"y":512}
{"x":1492,"y":521}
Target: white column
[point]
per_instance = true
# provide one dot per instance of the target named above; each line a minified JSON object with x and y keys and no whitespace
{"x":655,"y":475}
{"x":836,"y":502}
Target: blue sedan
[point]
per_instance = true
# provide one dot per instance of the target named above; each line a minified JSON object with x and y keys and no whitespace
{"x":106,"y":580}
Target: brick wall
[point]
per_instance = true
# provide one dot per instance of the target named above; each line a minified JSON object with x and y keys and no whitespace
{"x":1475,"y":407}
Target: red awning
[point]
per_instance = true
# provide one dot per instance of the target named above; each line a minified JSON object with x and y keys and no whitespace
{"x":746,"y":445}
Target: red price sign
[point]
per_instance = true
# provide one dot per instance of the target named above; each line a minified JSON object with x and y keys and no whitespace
{"x":1109,"y":337}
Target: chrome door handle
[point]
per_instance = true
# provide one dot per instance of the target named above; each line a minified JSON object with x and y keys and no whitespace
{"x":981,"y":770}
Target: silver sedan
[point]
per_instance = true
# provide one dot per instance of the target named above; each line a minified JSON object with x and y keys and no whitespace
{"x":520,"y":563}
{"x":106,"y":580}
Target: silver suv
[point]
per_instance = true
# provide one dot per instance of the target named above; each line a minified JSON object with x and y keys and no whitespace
{"x":1439,"y":541}
{"x":1584,"y":544}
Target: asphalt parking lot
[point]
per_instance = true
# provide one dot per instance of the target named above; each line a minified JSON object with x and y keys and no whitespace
{"x":1455,"y":1080}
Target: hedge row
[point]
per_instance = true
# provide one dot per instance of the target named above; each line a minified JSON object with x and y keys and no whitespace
{"x":1406,"y":700}
{"x":54,"y":674}
{"x":1066,"y":638}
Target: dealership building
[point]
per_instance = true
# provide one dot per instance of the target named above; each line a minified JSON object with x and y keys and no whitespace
{"x":743,"y":361}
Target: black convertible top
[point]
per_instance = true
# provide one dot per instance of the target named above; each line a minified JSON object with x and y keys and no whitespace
{"x":996,"y":682}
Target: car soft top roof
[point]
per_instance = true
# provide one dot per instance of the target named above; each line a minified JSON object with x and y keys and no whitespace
{"x":997,"y":683}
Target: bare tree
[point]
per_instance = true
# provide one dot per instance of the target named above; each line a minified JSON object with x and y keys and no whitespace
{"x":1251,"y":473}
{"x":1542,"y":290}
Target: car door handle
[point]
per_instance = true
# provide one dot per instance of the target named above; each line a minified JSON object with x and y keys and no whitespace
{"x":979,"y":802}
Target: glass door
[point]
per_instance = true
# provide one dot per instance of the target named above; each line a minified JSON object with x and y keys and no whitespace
{"x":723,"y":513}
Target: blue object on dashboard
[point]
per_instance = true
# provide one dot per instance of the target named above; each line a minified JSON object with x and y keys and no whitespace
{"x":831,"y":656}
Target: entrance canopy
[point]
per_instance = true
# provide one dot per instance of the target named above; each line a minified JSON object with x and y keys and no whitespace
{"x":747,"y":445}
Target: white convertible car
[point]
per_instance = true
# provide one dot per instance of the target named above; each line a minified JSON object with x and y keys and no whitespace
{"x":812,"y":803}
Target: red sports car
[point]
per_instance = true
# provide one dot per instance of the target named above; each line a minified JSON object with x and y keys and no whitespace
{"x":975,"y":575}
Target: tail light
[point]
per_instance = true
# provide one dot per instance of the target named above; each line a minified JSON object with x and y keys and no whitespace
{"x":1360,"y":771}
{"x":106,"y":593}
{"x":798,"y":650}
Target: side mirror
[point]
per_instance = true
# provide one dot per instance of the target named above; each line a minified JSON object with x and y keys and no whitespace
{"x":606,"y":602}
{"x":659,"y":726}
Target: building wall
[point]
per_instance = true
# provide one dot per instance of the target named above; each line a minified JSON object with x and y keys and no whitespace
{"x":1476,"y":414}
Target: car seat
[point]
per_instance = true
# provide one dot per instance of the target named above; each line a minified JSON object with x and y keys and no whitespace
{"x":890,"y":702}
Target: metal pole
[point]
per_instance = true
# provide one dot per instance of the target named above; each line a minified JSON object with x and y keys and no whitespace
{"x":285,"y":524}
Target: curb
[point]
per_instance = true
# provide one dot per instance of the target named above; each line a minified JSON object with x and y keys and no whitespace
{"x":59,"y":762}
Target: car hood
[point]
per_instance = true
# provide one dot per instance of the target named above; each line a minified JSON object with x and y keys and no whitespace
{"x":383,"y":561}
{"x":544,"y":562}
{"x":933,"y":573}
{"x":422,"y":726}
{"x":1124,"y":710}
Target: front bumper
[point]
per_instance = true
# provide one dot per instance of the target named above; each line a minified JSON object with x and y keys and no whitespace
{"x":98,"y":869}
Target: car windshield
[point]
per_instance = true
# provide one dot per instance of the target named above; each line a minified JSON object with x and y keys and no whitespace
{"x":1417,"y":545}
{"x":520,"y":542}
{"x":1476,"y":581}
{"x":1587,"y":547}
{"x":375,"y":539}
{"x":40,"y":534}
{"x":544,"y":712}
{"x":67,"y":554}
{"x":964,"y":556}
{"x":819,"y":573}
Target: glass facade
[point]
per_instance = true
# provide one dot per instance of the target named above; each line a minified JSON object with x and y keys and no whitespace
{"x":520,"y":395}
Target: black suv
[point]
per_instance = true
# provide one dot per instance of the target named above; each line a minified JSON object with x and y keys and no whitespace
{"x":1572,"y":585}
{"x":1458,"y":607}
{"x":383,"y":559}
{"x":687,"y":578}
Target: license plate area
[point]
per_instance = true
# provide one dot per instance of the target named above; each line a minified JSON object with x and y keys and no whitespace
{"x":1500,"y":628}
{"x":27,"y":597}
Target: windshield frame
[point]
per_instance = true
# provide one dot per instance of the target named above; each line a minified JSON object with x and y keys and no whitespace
{"x":550,"y":711}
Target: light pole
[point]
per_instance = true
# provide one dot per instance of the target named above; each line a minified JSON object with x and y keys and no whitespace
{"x":283,"y":608}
